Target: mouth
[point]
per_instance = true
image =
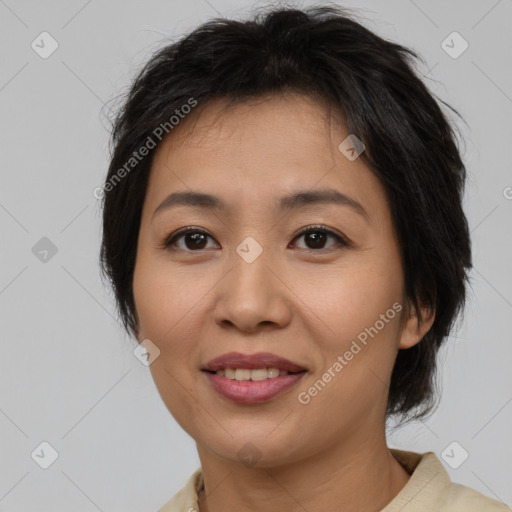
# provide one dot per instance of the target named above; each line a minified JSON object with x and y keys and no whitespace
{"x":254,"y":378}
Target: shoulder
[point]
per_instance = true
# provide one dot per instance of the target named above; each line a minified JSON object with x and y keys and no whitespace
{"x":460,"y":497}
{"x":430,"y":489}
{"x":186,"y":499}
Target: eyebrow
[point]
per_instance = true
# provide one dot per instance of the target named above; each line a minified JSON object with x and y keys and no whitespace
{"x":287,"y":203}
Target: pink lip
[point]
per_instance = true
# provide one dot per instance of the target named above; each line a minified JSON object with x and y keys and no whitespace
{"x":252,"y":362}
{"x":252,"y":392}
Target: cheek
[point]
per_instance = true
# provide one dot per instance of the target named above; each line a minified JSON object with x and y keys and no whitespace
{"x":167,"y":307}
{"x":357,"y":361}
{"x":352,"y":298}
{"x":361,"y":307}
{"x":167,"y":299}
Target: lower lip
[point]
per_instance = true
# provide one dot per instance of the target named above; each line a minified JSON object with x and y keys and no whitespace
{"x":252,"y":392}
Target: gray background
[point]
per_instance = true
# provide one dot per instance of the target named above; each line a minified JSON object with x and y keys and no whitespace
{"x":68,"y":375}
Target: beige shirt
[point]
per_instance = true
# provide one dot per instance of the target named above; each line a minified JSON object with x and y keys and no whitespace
{"x":428,"y":490}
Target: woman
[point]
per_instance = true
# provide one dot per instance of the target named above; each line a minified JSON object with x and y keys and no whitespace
{"x":284,"y":233}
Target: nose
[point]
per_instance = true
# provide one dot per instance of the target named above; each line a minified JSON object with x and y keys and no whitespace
{"x":253,"y":296}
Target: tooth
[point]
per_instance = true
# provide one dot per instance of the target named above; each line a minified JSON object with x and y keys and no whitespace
{"x":273,"y":372}
{"x":259,"y":374}
{"x":242,"y":374}
{"x":229,"y":373}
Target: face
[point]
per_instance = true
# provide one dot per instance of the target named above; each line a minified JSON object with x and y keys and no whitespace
{"x":246,"y":279}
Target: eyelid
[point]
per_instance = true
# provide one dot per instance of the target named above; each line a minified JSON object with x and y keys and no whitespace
{"x":329,"y":231}
{"x":341,"y":239}
{"x":182,"y":231}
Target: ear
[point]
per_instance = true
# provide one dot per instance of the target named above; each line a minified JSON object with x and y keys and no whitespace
{"x":414,"y":327}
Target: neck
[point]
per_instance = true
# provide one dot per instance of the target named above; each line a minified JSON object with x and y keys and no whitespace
{"x":360,"y":476}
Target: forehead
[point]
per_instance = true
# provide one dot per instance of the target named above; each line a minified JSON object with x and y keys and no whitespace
{"x":255,"y":152}
{"x":284,"y":126}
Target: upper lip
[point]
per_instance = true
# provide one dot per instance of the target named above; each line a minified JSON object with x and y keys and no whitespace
{"x":251,"y":362}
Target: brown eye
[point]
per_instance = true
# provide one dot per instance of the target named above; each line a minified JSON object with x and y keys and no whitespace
{"x":316,"y":237}
{"x":193,"y":239}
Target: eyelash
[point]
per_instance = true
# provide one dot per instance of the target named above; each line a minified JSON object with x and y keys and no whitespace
{"x":171,"y":240}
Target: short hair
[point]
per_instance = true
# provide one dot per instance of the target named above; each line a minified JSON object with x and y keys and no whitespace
{"x":411,"y":146}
